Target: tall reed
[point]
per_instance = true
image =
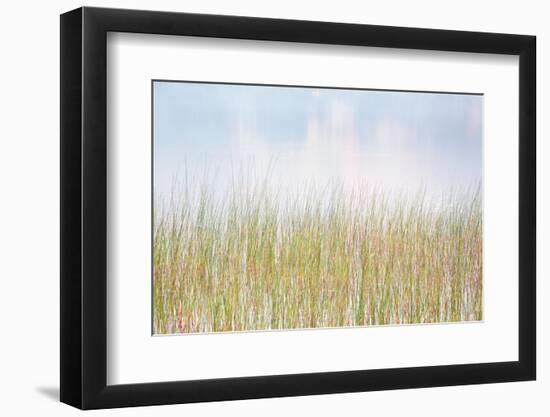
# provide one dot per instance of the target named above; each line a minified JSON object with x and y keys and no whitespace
{"x":260,"y":259}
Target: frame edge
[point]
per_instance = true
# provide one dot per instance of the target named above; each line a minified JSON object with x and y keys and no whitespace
{"x":527,"y":272}
{"x":70,"y":204}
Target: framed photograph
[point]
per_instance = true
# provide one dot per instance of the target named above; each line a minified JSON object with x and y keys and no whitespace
{"x":256,"y":208}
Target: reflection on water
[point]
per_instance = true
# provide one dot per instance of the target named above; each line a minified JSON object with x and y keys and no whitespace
{"x":400,"y":142}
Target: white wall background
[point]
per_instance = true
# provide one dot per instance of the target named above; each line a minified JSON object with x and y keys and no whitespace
{"x":29,"y":212}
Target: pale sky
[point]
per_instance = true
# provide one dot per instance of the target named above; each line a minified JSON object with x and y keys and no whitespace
{"x":392,"y":140}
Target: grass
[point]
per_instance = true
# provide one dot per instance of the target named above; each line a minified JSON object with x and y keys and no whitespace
{"x":322,"y":257}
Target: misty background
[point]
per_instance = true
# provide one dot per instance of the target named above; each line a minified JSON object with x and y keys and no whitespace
{"x":394,"y":141}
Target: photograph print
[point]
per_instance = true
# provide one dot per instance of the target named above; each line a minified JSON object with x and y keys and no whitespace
{"x":292,"y":207}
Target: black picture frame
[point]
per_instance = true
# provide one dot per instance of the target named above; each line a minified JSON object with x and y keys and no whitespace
{"x":84,"y":207}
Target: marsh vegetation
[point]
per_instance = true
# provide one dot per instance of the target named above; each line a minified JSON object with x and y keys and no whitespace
{"x":259,"y":258}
